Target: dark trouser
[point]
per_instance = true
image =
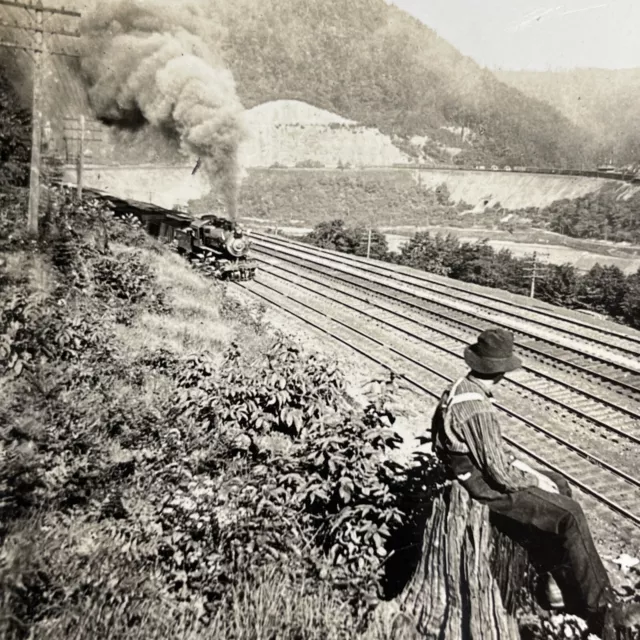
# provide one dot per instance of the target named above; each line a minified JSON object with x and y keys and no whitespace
{"x":556,"y":514}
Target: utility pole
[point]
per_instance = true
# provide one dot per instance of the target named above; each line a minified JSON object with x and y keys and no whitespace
{"x":39,"y":50}
{"x":535,"y":273}
{"x":36,"y":125}
{"x":80,"y":159}
{"x":86,"y":132}
{"x":369,"y":244}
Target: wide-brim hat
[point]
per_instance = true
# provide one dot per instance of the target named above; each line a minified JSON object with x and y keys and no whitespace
{"x":492,"y":353}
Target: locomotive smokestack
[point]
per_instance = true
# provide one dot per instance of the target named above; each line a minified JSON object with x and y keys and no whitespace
{"x":154,"y":63}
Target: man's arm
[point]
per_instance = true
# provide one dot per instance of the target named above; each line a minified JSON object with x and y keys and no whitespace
{"x":483,"y":436}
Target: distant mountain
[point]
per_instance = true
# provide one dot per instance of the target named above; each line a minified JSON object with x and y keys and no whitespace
{"x":604,"y":102}
{"x":372,"y":63}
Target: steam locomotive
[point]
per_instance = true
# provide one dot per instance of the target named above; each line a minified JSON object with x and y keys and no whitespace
{"x":220,"y":243}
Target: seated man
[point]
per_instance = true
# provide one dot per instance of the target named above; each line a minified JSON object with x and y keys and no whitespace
{"x":466,"y":436}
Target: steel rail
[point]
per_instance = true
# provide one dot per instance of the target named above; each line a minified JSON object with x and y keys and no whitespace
{"x":585,"y":454}
{"x":424,"y":325}
{"x":596,"y":494}
{"x":312,"y":266}
{"x":378,"y":264}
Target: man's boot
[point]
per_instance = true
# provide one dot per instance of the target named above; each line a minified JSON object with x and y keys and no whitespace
{"x":615,"y":615}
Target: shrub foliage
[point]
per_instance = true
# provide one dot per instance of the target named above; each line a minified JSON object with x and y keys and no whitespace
{"x":142,"y":493}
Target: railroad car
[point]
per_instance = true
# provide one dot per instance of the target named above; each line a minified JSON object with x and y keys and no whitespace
{"x":222,"y":244}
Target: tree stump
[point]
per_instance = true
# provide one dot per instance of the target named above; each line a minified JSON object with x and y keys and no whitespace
{"x":453,"y":594}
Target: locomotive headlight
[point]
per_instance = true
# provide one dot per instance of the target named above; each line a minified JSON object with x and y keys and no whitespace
{"x":237,"y":247}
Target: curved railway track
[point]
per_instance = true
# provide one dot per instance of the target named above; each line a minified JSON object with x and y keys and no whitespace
{"x":612,"y":487}
{"x":306,"y":286}
{"x":620,"y":375}
{"x":628,"y":340}
{"x":622,"y":421}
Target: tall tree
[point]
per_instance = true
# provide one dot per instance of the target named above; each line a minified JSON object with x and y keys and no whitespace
{"x":631,"y":302}
{"x":15,"y":138}
{"x":603,"y":289}
{"x":559,"y":286}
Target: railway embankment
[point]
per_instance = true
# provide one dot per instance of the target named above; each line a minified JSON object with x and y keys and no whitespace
{"x":170,"y":185}
{"x":512,"y":189}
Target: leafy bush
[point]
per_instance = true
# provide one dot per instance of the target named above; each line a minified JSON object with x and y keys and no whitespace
{"x":320,"y":472}
{"x":125,"y":277}
{"x":336,"y":236}
{"x":32,"y":330}
{"x":13,"y":220}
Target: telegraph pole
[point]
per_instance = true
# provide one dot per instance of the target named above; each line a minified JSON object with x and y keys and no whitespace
{"x":369,"y":244}
{"x":39,"y":50}
{"x":535,"y":273}
{"x":80,"y":158}
{"x":86,"y":132}
{"x":36,"y":124}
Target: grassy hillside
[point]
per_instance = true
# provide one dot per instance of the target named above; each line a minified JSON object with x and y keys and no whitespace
{"x":369,"y":197}
{"x":604,"y":102}
{"x":371,"y":62}
{"x":180,"y":470}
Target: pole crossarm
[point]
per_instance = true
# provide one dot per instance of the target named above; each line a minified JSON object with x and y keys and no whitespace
{"x":69,"y":131}
{"x":15,"y":45}
{"x":85,"y":140}
{"x":34,"y":7}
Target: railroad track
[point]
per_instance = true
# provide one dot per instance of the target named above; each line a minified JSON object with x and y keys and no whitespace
{"x":622,"y":422}
{"x":614,"y":489}
{"x":617,"y":372}
{"x":625,"y":339}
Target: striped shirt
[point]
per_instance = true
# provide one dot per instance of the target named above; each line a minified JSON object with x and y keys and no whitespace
{"x":469,"y":426}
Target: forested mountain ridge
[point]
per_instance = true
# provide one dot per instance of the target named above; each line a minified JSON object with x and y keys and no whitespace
{"x":603,"y":102}
{"x":373,"y":63}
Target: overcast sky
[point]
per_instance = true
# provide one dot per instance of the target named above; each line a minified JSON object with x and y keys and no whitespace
{"x":537,"y":34}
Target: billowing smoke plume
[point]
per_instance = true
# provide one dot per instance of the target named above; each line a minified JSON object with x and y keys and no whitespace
{"x":151,"y":63}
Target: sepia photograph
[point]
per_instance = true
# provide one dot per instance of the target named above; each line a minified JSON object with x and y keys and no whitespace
{"x":319,"y":320}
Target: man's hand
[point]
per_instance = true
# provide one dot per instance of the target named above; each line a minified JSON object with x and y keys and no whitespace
{"x":544,"y":483}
